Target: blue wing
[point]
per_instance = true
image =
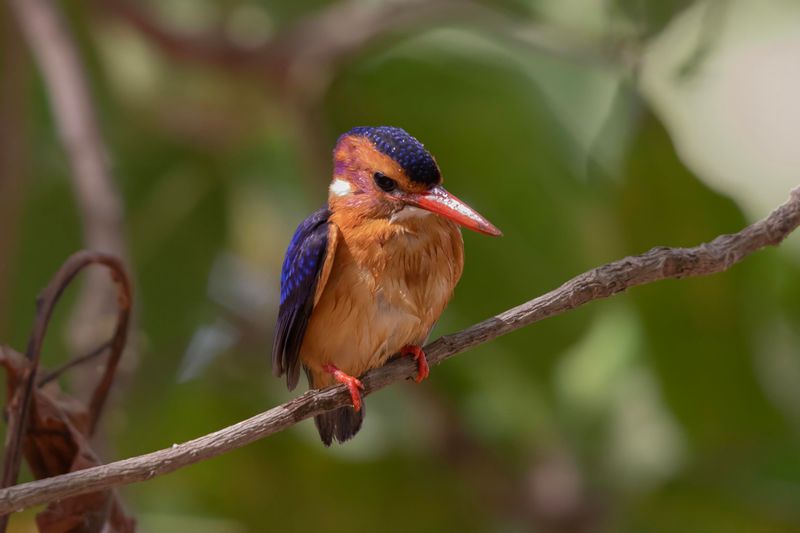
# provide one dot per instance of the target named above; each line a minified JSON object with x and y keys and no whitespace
{"x":302,"y":268}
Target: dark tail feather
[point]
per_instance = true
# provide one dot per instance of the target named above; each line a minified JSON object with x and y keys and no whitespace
{"x":341,"y":424}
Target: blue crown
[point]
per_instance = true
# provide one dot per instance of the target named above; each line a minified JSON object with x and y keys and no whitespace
{"x":408,"y":152}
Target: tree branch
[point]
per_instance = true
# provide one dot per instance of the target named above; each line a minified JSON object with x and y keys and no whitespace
{"x":21,"y":400}
{"x":601,"y":282}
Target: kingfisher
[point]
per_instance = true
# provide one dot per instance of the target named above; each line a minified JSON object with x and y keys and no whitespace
{"x":367,"y":276}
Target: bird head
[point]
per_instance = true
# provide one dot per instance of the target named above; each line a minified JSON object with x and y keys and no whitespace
{"x":383,"y":172}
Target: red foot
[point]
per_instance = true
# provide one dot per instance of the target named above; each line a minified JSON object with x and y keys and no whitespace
{"x":419,"y":356}
{"x":352,"y":383}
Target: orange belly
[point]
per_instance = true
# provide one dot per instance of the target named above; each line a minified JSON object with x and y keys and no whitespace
{"x":387,"y":287}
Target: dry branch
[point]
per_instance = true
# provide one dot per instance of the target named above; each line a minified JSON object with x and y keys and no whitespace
{"x":601,"y":282}
{"x":22,"y":376}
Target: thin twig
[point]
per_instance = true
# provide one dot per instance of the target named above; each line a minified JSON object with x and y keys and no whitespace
{"x":601,"y":282}
{"x":120,"y":336}
{"x":77,"y":361}
{"x":20,"y":403}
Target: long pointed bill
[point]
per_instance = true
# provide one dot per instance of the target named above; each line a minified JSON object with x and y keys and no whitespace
{"x":441,"y":202}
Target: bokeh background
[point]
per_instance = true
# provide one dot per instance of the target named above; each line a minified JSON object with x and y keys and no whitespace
{"x":586,"y":130}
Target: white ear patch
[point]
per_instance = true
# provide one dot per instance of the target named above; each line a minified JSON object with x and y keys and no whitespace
{"x":340,"y":187}
{"x":409,"y":212}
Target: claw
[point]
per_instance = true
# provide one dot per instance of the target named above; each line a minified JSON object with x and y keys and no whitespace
{"x":419,"y":356}
{"x":353,"y":384}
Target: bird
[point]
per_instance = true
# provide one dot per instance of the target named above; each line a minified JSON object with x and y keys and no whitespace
{"x":367,"y":276}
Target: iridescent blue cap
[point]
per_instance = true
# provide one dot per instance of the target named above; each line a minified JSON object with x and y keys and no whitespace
{"x":409,"y":153}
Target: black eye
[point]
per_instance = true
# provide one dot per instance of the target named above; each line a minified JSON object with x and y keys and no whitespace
{"x":384,"y":182}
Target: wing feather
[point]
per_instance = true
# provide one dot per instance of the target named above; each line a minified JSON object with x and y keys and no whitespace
{"x":333,"y":237}
{"x":305,"y":271}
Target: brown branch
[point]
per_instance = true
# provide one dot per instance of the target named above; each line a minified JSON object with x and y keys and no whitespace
{"x":56,"y":373}
{"x":20,"y":402}
{"x":601,"y":282}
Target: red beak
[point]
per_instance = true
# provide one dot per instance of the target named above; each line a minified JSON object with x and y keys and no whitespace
{"x":439,"y":201}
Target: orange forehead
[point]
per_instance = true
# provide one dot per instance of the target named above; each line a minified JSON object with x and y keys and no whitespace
{"x":355,"y":153}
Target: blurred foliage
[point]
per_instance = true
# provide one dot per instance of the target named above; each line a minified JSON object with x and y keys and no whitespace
{"x":672,"y":407}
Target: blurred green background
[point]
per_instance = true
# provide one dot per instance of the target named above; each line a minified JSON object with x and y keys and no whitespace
{"x":586,"y":130}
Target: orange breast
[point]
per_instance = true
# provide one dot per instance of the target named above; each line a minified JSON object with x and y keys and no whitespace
{"x":387,"y":286}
